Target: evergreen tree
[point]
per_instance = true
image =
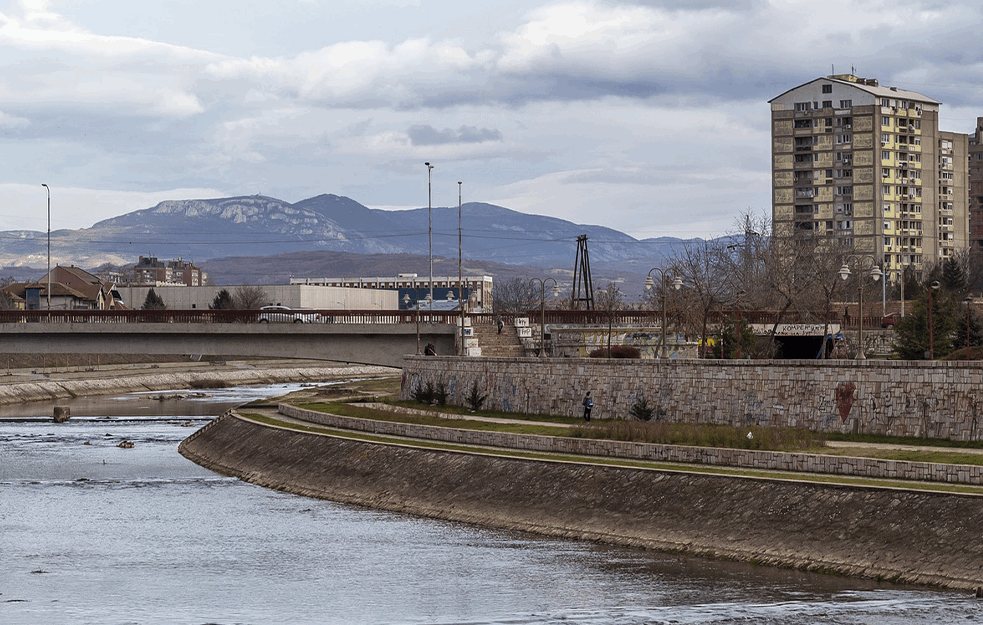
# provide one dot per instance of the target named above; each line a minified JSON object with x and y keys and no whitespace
{"x":153,"y":301}
{"x":725,"y":343}
{"x":975,"y":332}
{"x":911,"y":333}
{"x":953,"y":277}
{"x":222,"y":301}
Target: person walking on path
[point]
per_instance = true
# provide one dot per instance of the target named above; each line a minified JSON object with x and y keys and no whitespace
{"x":588,"y":405}
{"x":500,"y":324}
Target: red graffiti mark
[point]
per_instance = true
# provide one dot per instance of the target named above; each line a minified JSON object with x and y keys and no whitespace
{"x":844,"y":398}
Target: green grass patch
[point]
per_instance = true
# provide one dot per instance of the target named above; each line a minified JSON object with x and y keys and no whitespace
{"x":909,"y":455}
{"x":360,"y":411}
{"x":604,"y":461}
{"x":903,"y":440}
{"x":703,"y":435}
{"x":495,"y":414}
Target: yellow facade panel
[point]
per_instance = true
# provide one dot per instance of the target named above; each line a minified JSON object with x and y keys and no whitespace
{"x":863,"y":192}
{"x":784,"y":212}
{"x":863,"y":159}
{"x":782,"y":178}
{"x":784,"y":196}
{"x":784,"y":161}
{"x":863,"y":141}
{"x":863,"y":210}
{"x":863,"y":123}
{"x":825,"y":159}
{"x":783,"y":127}
{"x":863,"y":175}
{"x":824,"y":194}
{"x":783,"y":144}
{"x":863,"y":227}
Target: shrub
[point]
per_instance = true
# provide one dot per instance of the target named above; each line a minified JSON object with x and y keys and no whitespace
{"x":440,"y":394}
{"x":617,"y":351}
{"x":640,"y":409}
{"x":475,"y":398}
{"x":424,"y":393}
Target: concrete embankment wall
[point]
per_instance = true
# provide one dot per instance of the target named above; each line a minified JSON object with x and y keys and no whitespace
{"x":906,"y":536}
{"x":874,"y":468}
{"x":897,"y":398}
{"x":106,"y":383}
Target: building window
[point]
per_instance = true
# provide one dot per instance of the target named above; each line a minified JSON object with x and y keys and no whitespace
{"x":885,"y":102}
{"x":886,"y":121}
{"x":844,"y":190}
{"x":845,"y":104}
{"x":827,"y":88}
{"x":803,"y":106}
{"x":827,"y":104}
{"x":803,"y":123}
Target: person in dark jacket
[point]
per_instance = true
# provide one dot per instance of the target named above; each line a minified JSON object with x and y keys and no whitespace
{"x":588,"y":406}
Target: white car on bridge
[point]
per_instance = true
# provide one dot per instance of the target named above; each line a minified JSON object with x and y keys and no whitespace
{"x":285,"y":314}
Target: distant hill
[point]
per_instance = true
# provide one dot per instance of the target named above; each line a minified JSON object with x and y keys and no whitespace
{"x":259,"y":226}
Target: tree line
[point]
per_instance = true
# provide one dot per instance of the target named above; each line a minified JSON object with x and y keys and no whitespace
{"x":797,"y":280}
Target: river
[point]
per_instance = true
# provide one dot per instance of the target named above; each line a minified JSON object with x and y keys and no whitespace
{"x":91,"y":532}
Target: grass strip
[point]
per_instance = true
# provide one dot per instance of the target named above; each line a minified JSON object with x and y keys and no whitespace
{"x":615,"y":462}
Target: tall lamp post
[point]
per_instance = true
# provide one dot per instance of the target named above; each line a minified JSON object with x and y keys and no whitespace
{"x":931,"y":340}
{"x":406,"y":300}
{"x":542,"y":310}
{"x":968,"y":301}
{"x":460,"y":274}
{"x":46,"y":188}
{"x":678,"y":284}
{"x":430,"y":225}
{"x":875,"y":274}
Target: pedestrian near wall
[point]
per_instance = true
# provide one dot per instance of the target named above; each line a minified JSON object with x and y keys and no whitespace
{"x":588,"y":406}
{"x":500,"y":324}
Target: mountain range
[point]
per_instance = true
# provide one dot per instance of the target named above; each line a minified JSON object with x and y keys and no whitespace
{"x":260,"y":226}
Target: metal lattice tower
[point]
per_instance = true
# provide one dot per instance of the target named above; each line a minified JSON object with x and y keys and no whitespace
{"x":583,"y":286}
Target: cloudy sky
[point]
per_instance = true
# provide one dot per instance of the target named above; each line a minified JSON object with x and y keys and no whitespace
{"x":647,"y":116}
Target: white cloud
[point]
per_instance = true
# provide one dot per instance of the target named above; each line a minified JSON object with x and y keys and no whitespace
{"x":647,"y":116}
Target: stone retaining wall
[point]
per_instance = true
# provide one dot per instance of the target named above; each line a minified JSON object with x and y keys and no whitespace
{"x":898,"y":398}
{"x":917,"y":537}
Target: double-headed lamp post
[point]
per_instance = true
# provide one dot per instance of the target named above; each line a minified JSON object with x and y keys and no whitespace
{"x":875,"y":273}
{"x":677,"y":284}
{"x":430,"y":224}
{"x":46,"y":188}
{"x":542,"y":310}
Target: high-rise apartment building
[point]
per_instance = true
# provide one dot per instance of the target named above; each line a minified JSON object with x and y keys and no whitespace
{"x":865,"y":167}
{"x":976,"y":188}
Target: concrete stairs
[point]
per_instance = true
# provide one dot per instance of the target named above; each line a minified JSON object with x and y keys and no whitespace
{"x":504,"y":345}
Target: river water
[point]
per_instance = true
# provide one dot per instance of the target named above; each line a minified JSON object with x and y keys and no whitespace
{"x":94,"y":533}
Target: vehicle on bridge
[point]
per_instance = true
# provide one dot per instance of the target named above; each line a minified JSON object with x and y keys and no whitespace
{"x":285,"y":314}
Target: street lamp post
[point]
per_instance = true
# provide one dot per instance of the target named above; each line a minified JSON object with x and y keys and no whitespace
{"x":46,"y":188}
{"x":430,"y":224}
{"x":931,"y":339}
{"x":460,"y":274}
{"x":968,"y":300}
{"x":542,"y":310}
{"x":406,"y":300}
{"x":875,"y":273}
{"x":677,"y":283}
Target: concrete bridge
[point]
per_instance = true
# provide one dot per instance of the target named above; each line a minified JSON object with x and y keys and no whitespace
{"x":371,"y":338}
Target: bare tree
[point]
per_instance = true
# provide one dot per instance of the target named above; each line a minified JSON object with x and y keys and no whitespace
{"x":250,"y":297}
{"x":6,"y":297}
{"x":610,"y":300}
{"x":516,"y":296}
{"x":703,"y":269}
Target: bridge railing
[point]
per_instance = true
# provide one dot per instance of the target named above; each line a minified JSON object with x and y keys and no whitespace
{"x":391,"y":317}
{"x":388,"y":317}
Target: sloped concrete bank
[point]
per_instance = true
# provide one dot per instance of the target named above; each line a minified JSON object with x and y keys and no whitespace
{"x":108,"y":382}
{"x":905,"y":536}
